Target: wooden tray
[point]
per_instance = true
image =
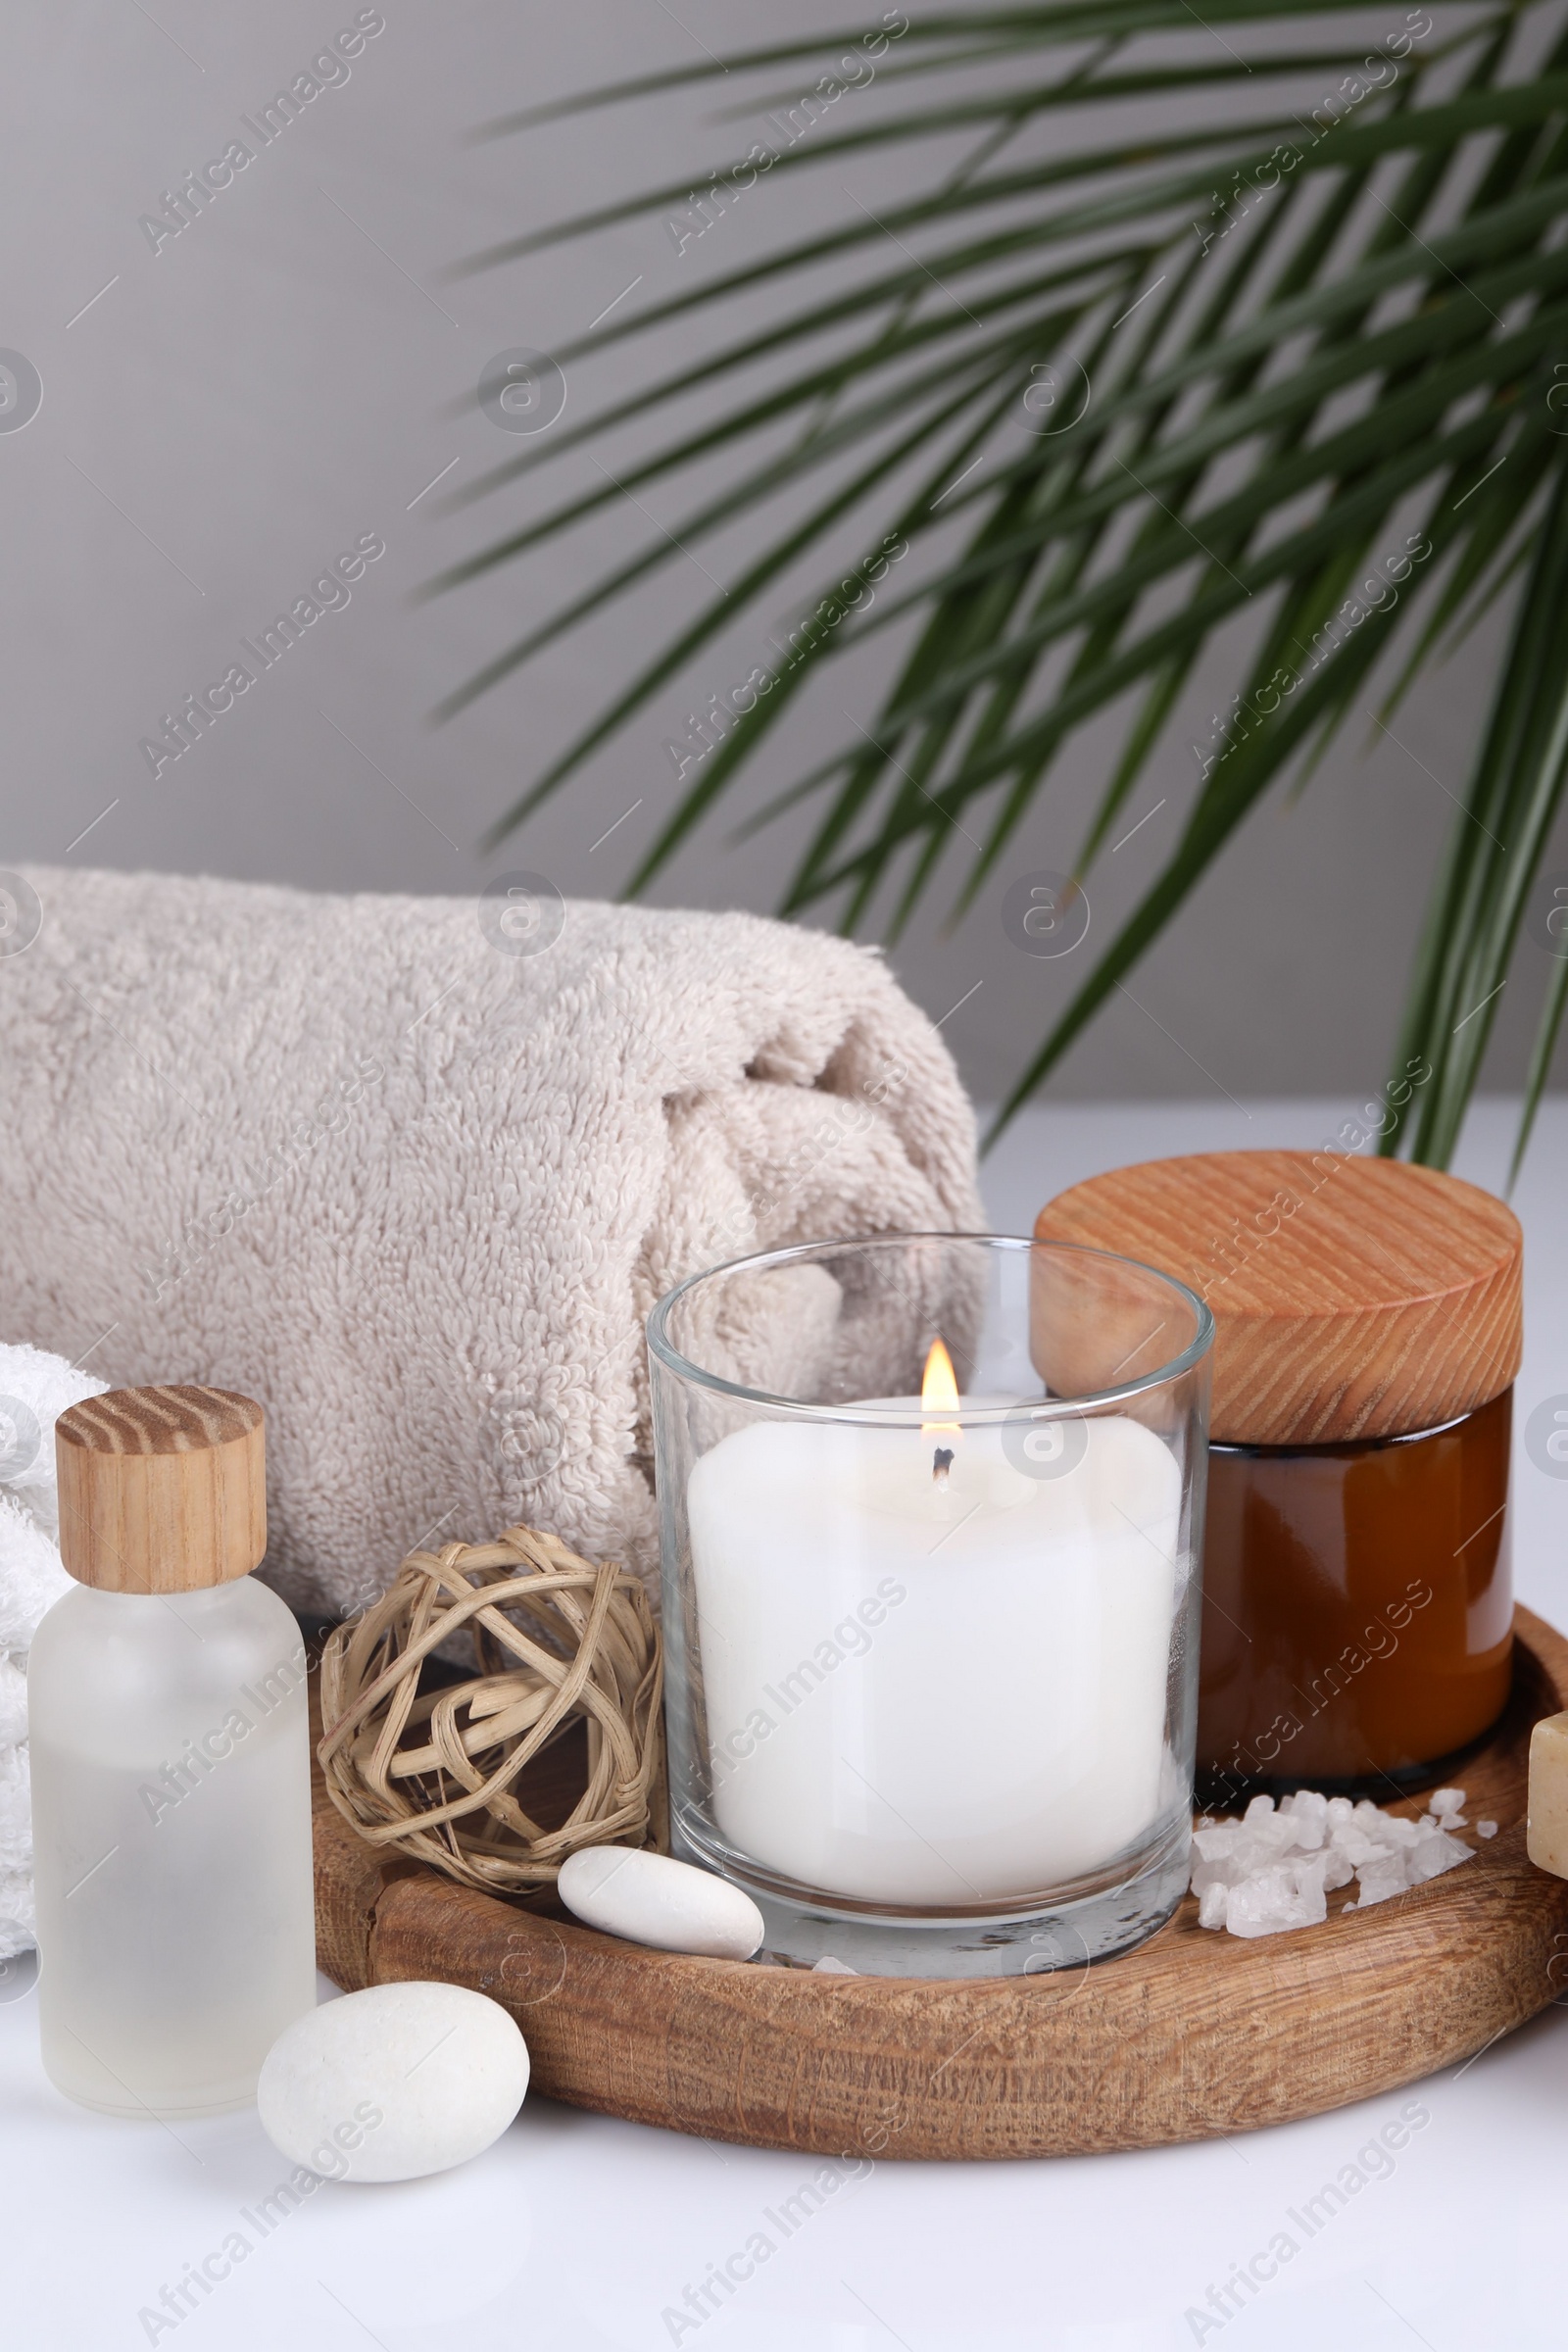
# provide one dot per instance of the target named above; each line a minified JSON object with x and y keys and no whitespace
{"x":1192,"y":2034}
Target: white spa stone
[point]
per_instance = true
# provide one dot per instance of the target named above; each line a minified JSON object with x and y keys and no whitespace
{"x":393,"y":2083}
{"x":649,"y":1898}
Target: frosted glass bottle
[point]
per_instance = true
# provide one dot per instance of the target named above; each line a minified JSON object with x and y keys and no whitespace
{"x":171,"y":1765}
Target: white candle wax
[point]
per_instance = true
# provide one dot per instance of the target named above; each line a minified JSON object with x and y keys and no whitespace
{"x":927,"y":1693}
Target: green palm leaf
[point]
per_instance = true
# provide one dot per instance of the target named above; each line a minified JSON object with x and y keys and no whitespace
{"x":1315,"y":304}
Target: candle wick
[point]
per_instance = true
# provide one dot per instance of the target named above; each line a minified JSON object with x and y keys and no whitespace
{"x":941,"y":1464}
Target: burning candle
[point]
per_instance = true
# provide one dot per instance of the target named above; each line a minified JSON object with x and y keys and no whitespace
{"x":935,"y":1655}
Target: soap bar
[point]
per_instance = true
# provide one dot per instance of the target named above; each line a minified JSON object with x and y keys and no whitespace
{"x":1547,"y":1822}
{"x":393,"y":2083}
{"x":647,"y":1899}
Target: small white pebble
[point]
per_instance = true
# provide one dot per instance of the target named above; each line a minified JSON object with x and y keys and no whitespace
{"x":651,"y":1898}
{"x":394,"y":2082}
{"x":1486,"y":1829}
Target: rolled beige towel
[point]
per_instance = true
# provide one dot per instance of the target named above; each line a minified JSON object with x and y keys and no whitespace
{"x":412,"y":1172}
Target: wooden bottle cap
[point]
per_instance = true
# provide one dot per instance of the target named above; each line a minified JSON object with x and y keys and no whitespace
{"x":162,"y":1490}
{"x":1351,"y":1298}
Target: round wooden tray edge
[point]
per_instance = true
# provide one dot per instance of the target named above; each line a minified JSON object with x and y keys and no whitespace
{"x":1134,"y":2053}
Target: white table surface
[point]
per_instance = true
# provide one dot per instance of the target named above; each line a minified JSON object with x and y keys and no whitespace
{"x":579,"y":2231}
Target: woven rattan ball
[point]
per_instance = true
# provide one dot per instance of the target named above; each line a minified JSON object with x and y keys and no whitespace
{"x":436,"y":1775}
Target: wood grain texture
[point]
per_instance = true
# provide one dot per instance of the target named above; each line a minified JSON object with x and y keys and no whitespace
{"x":1351,"y":1298}
{"x":1193,"y":2034}
{"x":162,"y":1490}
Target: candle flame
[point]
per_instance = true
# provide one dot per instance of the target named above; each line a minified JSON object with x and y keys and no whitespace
{"x":939,"y":1390}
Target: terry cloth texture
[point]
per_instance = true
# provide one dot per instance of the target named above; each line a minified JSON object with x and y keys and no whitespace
{"x":35,"y":1388}
{"x":414,"y":1171}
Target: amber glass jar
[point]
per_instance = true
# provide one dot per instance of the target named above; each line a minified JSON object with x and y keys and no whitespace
{"x":1356,"y":1604}
{"x":1357,"y":1600}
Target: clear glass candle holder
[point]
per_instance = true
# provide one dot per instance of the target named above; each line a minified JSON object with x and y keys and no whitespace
{"x":931,"y":1618}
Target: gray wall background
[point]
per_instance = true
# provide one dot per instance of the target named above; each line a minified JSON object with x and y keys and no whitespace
{"x":220,"y":417}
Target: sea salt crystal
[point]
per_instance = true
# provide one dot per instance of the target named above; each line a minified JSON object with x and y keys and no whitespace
{"x":1273,"y":1869}
{"x":1285,"y":1897}
{"x":1357,"y":1847}
{"x":1308,"y":1808}
{"x":1433,"y":1853}
{"x":1376,"y":1880}
{"x":1486,"y":1829}
{"x":1339,"y":1869}
{"x":1211,"y":1904}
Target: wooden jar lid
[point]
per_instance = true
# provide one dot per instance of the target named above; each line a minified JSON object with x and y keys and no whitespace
{"x":162,"y":1490}
{"x":1351,"y":1298}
